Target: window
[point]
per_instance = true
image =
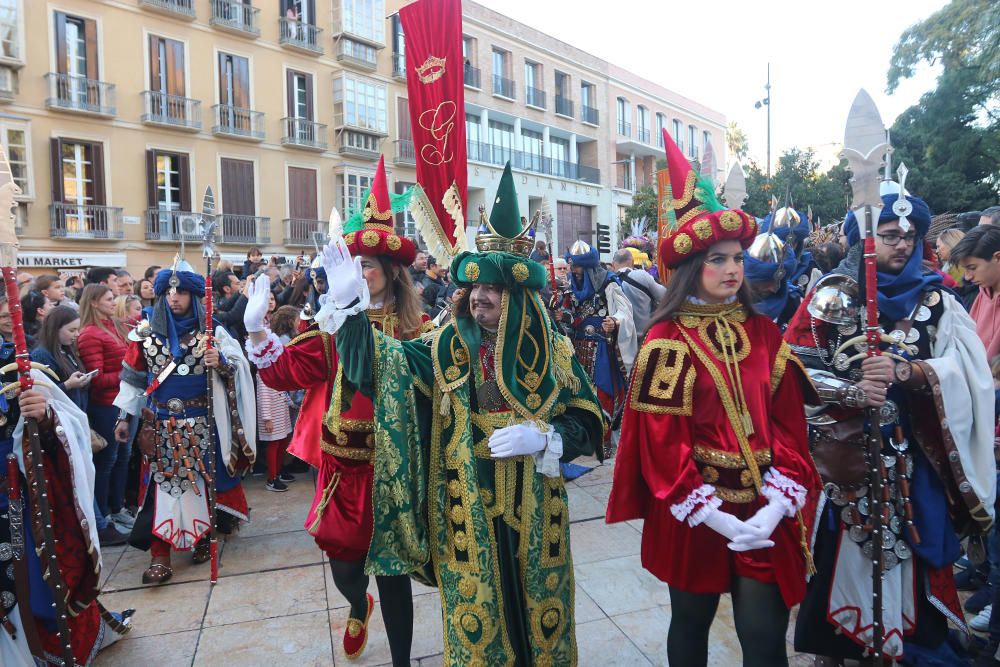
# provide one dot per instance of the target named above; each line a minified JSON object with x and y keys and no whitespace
{"x":398,"y":46}
{"x":502,"y":84}
{"x":300,"y":95}
{"x":469,"y":49}
{"x":16,"y":141}
{"x":303,"y":11}
{"x":234,"y":81}
{"x":364,"y":103}
{"x":501,"y":142}
{"x":661,"y":123}
{"x":473,"y":129}
{"x":365,"y":18}
{"x":168,"y":181}
{"x":588,"y":102}
{"x":677,"y":133}
{"x":166,"y":66}
{"x":82,"y":166}
{"x":352,"y":187}
{"x":559,"y":148}
{"x":532,"y":143}
{"x":534,"y":95}
{"x":587,"y":95}
{"x":642,"y":118}
{"x":624,"y":116}
{"x":302,"y":200}
{"x":562,"y":84}
{"x":692,"y":145}
{"x":499,"y":63}
{"x":10,"y":30}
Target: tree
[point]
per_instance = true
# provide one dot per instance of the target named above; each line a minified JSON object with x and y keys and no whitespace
{"x":797,"y":178}
{"x":644,"y":205}
{"x":736,"y":141}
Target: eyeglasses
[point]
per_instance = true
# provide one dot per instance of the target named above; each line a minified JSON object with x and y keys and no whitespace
{"x":891,"y":239}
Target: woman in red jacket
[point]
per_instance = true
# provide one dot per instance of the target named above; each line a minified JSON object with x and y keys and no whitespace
{"x":102,"y":347}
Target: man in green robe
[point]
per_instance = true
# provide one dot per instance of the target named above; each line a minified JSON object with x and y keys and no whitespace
{"x":471,"y":423}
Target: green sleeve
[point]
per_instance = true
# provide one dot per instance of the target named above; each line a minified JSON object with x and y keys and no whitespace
{"x":582,"y":434}
{"x":356,"y":353}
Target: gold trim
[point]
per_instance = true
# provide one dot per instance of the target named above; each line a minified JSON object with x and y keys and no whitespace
{"x":357,"y":425}
{"x":780,"y":365}
{"x":667,"y":378}
{"x":738,"y":496}
{"x":729,"y":460}
{"x":352,"y":453}
{"x":683,"y":243}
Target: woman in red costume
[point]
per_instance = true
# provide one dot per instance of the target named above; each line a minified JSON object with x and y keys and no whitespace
{"x":727,"y":490}
{"x":340,"y":518}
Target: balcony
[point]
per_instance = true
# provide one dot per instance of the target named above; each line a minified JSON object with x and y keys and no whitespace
{"x":590,"y":115}
{"x":233,"y":121}
{"x":564,"y":106}
{"x":302,"y":232}
{"x":299,"y":35}
{"x":534,"y":97}
{"x":360,"y":144}
{"x":179,"y":8}
{"x":405,"y":152}
{"x":304,"y":133}
{"x":356,"y":54}
{"x":503,"y":87}
{"x":247,"y":229}
{"x":473,"y":77}
{"x":624,"y":129}
{"x":234,"y":16}
{"x":8,"y":84}
{"x":173,"y":111}
{"x":78,"y":93}
{"x":165,"y":225}
{"x":643,"y":135}
{"x":499,"y":155}
{"x":399,"y":66}
{"x":85,"y":221}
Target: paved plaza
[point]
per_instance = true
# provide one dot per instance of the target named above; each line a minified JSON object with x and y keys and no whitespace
{"x":275,"y":603}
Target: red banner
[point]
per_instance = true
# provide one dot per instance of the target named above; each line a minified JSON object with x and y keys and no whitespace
{"x":435,"y":82}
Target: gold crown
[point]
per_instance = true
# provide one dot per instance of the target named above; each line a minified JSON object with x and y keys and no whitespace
{"x":432,"y":69}
{"x":488,"y":239}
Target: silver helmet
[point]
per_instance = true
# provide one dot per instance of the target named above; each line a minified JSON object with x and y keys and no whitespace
{"x":835,"y":300}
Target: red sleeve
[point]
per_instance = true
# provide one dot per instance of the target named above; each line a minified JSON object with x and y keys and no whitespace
{"x":650,"y":464}
{"x":134,"y":356}
{"x":305,"y":362}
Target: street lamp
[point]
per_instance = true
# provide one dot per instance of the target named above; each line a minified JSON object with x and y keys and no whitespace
{"x":767,"y":102}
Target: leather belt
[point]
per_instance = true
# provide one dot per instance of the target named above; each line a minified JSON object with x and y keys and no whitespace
{"x":178,"y":406}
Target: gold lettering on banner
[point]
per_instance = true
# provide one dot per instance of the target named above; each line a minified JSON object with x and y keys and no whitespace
{"x":439,"y":122}
{"x":432,"y":69}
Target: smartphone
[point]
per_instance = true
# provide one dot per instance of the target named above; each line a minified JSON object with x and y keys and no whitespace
{"x":91,"y":374}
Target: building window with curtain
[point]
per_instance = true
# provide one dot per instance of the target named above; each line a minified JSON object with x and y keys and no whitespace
{"x":533,"y":153}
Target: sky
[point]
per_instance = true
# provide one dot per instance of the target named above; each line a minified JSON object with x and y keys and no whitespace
{"x":717,"y":53}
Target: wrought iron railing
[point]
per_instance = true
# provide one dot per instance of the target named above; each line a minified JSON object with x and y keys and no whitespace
{"x":250,"y":229}
{"x":85,"y":221}
{"x":172,"y":110}
{"x":299,"y":34}
{"x":78,"y":93}
{"x":238,"y":122}
{"x":236,"y":15}
{"x":304,"y":132}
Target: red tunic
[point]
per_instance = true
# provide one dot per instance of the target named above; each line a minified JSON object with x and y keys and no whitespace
{"x":675,"y":460}
{"x":340,"y":518}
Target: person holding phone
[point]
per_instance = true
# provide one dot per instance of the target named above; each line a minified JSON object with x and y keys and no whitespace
{"x":57,"y":350}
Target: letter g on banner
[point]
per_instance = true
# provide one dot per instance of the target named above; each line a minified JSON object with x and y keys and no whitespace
{"x":439,"y":123}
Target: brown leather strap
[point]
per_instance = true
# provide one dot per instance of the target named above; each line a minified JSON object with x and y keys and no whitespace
{"x":24,"y":607}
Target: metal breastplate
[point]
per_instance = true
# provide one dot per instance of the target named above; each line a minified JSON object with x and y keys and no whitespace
{"x":157,"y":354}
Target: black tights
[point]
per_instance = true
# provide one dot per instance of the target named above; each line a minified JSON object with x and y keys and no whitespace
{"x":761,"y":623}
{"x":395,"y":600}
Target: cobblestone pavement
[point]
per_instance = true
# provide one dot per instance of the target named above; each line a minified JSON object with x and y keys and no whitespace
{"x":275,"y":603}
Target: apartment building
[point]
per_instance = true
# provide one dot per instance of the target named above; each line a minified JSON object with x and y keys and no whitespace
{"x":117,"y":114}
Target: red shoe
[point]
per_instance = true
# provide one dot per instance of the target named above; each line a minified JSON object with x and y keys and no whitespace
{"x":356,"y":633}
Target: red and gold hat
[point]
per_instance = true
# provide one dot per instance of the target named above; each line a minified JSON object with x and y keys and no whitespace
{"x":695,"y":217}
{"x":371,"y":232}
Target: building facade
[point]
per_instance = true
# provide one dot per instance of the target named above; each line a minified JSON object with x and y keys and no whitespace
{"x":117,"y":114}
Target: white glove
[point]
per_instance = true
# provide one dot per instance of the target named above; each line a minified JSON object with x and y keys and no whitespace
{"x":257,"y":303}
{"x":517,"y":440}
{"x":725,"y":524}
{"x":767,"y":518}
{"x":344,"y":279}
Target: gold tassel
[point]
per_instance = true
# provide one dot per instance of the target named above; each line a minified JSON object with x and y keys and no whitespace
{"x":445,"y":404}
{"x":452,"y":203}
{"x":324,"y":501}
{"x":804,"y":542}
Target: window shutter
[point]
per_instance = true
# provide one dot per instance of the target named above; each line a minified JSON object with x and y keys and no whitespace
{"x":97,"y":163}
{"x":151,"y":197}
{"x":175,"y":68}
{"x":290,"y":92}
{"x":90,"y":34}
{"x":184,"y":167}
{"x":55,"y":151}
{"x":309,"y":97}
{"x":241,"y":66}
{"x":62,"y":63}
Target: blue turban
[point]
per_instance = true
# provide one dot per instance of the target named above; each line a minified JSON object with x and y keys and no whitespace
{"x":587,"y":260}
{"x":920,"y":217}
{"x":757,"y":271}
{"x":801,"y":230}
{"x":189,"y":282}
{"x":898,"y":293}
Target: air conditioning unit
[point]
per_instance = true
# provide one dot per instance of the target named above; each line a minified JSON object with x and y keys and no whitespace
{"x":190,"y":226}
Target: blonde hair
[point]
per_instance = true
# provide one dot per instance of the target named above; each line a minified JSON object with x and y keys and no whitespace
{"x":950,"y":237}
{"x":122,"y":302}
{"x":89,"y":314}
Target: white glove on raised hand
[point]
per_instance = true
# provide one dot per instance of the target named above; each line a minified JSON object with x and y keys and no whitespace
{"x":344,"y":279}
{"x":257,"y":303}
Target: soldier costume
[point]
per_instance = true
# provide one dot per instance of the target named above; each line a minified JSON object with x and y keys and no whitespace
{"x":590,"y":298}
{"x":470,"y":426}
{"x":342,"y":432}
{"x":793,"y":228}
{"x":769,"y":264}
{"x":938,"y":466}
{"x":165,"y":362}
{"x":714,"y":448}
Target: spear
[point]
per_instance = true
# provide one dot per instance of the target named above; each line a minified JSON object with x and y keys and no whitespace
{"x":34,"y":467}
{"x":210,"y":226}
{"x":864,"y":147}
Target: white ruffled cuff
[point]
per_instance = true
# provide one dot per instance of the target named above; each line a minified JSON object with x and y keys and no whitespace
{"x":547,"y":460}
{"x":783,"y":490}
{"x":266,"y":352}
{"x":697,"y":505}
{"x":330,"y":318}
